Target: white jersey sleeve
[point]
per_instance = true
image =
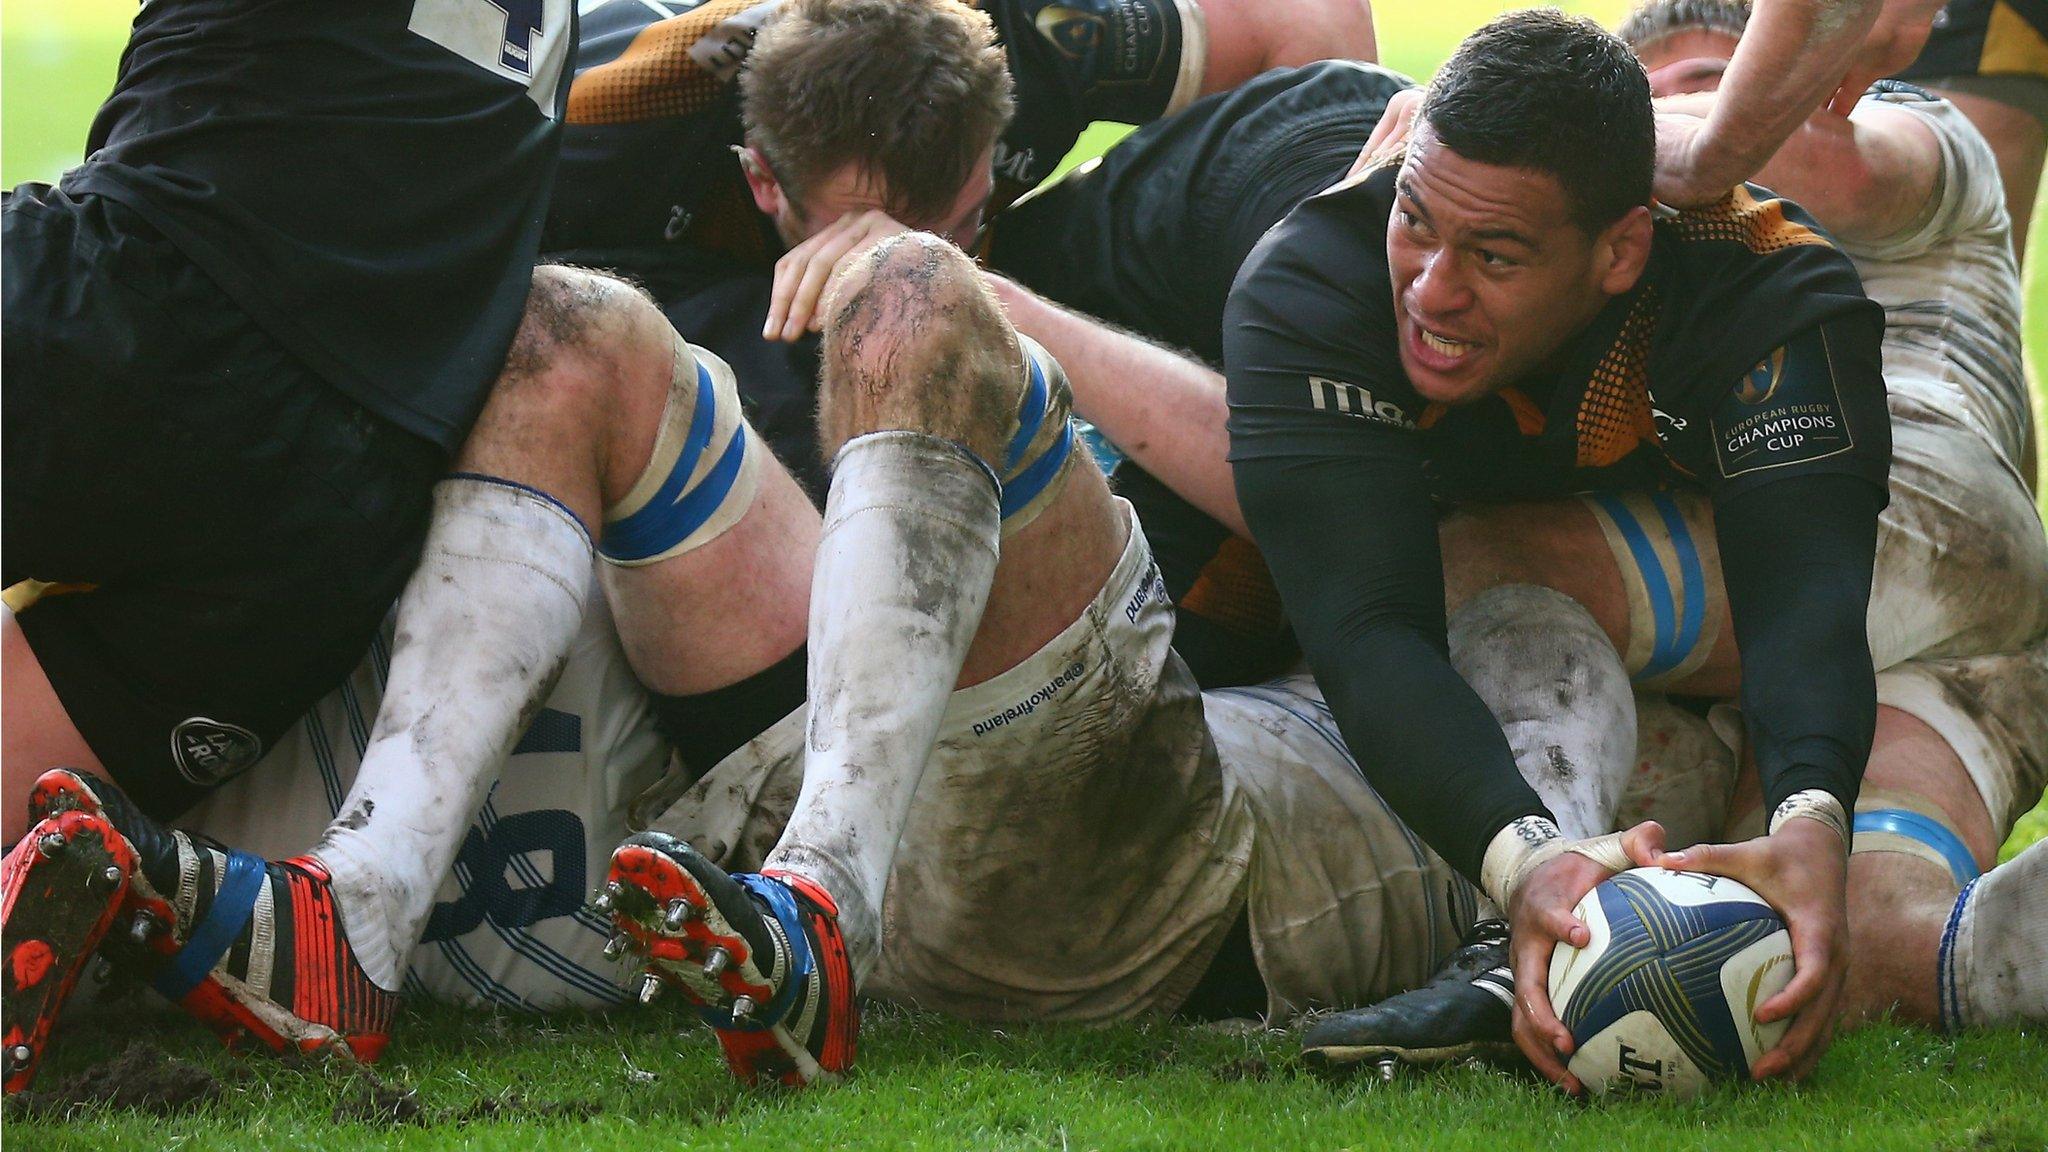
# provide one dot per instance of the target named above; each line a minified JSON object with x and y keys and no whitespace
{"x":1950,"y":287}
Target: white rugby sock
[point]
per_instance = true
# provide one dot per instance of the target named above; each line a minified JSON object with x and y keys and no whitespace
{"x":484,"y":627}
{"x":904,"y":568}
{"x":1554,"y":681}
{"x":1993,"y":965}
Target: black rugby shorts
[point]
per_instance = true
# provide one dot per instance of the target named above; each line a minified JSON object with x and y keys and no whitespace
{"x":232,"y":528}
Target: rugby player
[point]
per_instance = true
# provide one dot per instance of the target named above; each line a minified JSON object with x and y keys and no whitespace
{"x":836,"y":142}
{"x":1990,"y":59}
{"x":241,"y":341}
{"x":1499,"y":317}
{"x":1076,"y":746}
{"x":839,"y":139}
{"x":1910,"y":189}
{"x":1905,"y":188}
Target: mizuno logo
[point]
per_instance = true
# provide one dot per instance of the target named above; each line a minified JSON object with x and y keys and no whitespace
{"x":1350,"y":399}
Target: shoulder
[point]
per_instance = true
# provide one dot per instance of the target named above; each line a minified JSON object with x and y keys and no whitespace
{"x":1310,"y":322}
{"x":1740,"y":279}
{"x":1965,"y":194}
{"x":1752,"y":254}
{"x":1329,"y":249}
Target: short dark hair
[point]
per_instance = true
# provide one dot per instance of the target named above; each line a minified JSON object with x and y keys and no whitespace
{"x":1539,"y":89}
{"x":1653,"y":21}
{"x":913,"y":91}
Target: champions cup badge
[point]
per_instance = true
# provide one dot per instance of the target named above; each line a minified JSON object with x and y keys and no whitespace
{"x":208,"y":751}
{"x":1763,"y":380}
{"x":1073,"y":32}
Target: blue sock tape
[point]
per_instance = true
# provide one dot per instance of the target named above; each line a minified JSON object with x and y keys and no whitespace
{"x":232,"y":907}
{"x":1933,"y":833}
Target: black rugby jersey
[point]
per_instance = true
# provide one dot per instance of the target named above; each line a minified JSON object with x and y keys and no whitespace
{"x":647,"y":176}
{"x":368,"y":180}
{"x":1745,"y":358}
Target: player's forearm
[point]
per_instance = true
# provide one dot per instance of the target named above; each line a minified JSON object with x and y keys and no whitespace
{"x":1247,"y":37}
{"x":1164,"y":410}
{"x":1864,"y":178}
{"x":1790,"y":61}
{"x":1797,"y":559}
{"x":1362,"y":582}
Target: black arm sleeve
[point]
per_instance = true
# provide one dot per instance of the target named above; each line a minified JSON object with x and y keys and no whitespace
{"x":1330,"y":472}
{"x":1363,"y":583}
{"x":1796,"y":556}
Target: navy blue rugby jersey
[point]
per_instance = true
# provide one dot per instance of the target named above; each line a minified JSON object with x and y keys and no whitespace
{"x":647,"y":175}
{"x":368,"y":180}
{"x":1746,"y":352}
{"x":1745,"y":362}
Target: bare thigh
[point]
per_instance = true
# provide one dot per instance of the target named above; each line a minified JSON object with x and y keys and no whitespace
{"x":38,"y":733}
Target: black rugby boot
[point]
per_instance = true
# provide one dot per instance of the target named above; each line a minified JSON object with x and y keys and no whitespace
{"x":1466,"y":1010}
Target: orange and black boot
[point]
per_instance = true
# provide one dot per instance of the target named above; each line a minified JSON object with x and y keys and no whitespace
{"x":60,"y":890}
{"x":253,"y":949}
{"x":760,"y":956}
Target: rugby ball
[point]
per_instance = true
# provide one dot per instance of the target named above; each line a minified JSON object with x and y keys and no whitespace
{"x":1663,"y":997}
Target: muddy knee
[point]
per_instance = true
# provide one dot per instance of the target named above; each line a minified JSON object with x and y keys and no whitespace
{"x":584,"y":386}
{"x":915,"y":341}
{"x":579,"y":317}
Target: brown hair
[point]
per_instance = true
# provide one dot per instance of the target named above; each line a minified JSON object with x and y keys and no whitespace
{"x":1653,"y":21}
{"x":912,"y":91}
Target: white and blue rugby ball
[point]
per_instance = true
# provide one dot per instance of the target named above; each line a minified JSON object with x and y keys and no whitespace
{"x":1663,"y":998}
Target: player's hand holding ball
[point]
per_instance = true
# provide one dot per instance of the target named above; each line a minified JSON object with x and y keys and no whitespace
{"x":1802,"y":869}
{"x":1663,"y":996}
{"x":1541,"y":895}
{"x":1731,"y":979}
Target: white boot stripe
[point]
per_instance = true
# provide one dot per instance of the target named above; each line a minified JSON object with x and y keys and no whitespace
{"x":185,"y":901}
{"x":263,"y":940}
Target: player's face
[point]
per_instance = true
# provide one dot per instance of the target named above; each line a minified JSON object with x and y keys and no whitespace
{"x":1689,"y":61}
{"x":1492,"y":275}
{"x":854,"y":189}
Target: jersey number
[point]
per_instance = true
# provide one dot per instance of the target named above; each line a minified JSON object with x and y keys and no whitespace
{"x":487,"y":857}
{"x":522,"y":40}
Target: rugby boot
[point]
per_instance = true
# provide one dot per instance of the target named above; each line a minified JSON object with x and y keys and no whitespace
{"x":1465,"y":1010}
{"x":253,"y":949}
{"x":760,"y":956}
{"x":60,"y":890}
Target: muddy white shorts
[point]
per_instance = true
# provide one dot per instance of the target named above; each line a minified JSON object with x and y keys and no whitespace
{"x":1071,"y":852}
{"x":510,"y":929}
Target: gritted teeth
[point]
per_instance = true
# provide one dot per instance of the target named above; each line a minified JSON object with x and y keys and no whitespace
{"x":1443,"y":345}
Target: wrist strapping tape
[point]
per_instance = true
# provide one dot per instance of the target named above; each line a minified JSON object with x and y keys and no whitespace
{"x":1813,"y":804}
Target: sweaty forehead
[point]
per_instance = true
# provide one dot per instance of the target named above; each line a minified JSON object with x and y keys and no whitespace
{"x":1457,"y":194}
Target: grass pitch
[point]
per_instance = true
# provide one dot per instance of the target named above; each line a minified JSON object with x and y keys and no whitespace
{"x":646,"y":1080}
{"x":651,"y":1079}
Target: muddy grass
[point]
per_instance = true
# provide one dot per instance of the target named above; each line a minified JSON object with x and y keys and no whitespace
{"x":141,"y":1079}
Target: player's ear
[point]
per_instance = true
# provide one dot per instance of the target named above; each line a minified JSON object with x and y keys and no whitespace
{"x":1622,"y":251}
{"x":761,"y":181}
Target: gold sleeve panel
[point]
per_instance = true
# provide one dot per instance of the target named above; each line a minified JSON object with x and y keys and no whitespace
{"x":672,"y":68}
{"x":1614,"y":415}
{"x":1759,"y":225}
